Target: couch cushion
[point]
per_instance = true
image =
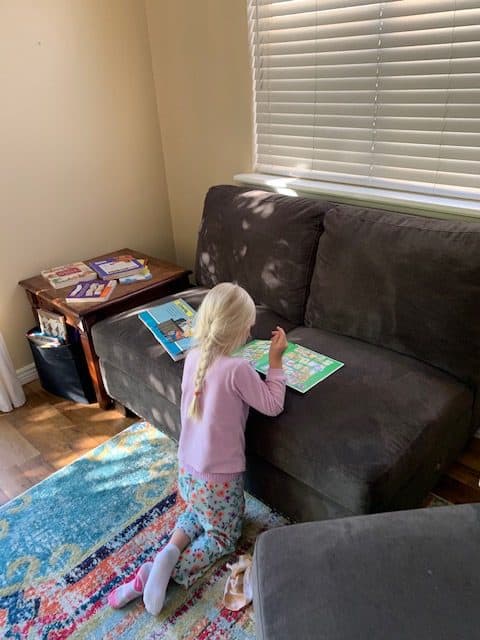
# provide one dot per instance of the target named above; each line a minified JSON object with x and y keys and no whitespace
{"x":264,"y":241}
{"x":405,"y":282}
{"x":360,"y":435}
{"x":125,"y":342}
{"x":400,"y":576}
{"x":142,"y":399}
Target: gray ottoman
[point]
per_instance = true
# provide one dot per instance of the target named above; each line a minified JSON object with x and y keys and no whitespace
{"x":409,"y":575}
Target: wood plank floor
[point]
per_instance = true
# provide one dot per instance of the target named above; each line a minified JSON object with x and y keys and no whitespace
{"x":48,"y":433}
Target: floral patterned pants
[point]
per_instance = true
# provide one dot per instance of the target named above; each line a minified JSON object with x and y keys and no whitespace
{"x":212,"y":520}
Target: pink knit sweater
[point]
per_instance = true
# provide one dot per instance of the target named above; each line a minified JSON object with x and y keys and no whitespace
{"x":213,"y":448}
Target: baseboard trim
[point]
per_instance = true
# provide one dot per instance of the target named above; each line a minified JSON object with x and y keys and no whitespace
{"x":27,"y":374}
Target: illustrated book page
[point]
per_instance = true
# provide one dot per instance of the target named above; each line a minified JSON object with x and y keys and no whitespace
{"x":303,"y":367}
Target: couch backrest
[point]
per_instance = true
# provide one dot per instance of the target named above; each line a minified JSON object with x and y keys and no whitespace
{"x":264,"y":241}
{"x":408,"y":283}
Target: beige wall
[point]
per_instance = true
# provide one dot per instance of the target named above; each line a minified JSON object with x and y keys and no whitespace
{"x":202,"y":75}
{"x":81,"y":166}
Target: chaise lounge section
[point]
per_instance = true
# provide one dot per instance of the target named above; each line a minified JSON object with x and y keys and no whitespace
{"x":402,"y":576}
{"x":393,"y":296}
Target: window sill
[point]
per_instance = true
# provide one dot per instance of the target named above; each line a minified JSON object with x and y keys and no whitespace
{"x":436,"y":207}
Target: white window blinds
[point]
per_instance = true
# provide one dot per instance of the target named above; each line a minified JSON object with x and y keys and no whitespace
{"x":379,"y":94}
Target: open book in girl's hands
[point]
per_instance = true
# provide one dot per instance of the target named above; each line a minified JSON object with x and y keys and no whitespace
{"x":303,"y":367}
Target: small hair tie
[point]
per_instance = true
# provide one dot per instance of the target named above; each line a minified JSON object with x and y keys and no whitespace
{"x":197,"y":393}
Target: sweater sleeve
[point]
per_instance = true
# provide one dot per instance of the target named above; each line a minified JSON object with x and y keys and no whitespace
{"x":265,"y":396}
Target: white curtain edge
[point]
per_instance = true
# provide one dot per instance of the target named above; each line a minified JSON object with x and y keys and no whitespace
{"x":12,"y":395}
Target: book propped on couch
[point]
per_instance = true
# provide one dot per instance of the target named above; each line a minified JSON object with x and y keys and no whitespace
{"x":68,"y":274}
{"x":171,"y":324}
{"x":117,"y":267}
{"x":98,"y":291}
{"x":303,"y":367}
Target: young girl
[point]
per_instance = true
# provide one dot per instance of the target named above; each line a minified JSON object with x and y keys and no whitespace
{"x":217,"y":391}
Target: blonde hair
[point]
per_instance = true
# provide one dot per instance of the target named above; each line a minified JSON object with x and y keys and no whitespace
{"x":221,"y":326}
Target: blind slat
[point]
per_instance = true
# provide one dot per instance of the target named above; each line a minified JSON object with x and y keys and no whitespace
{"x":387,"y":154}
{"x":437,"y":13}
{"x":457,"y":110}
{"x":418,"y":83}
{"x":399,"y":126}
{"x":272,"y":134}
{"x":394,"y":33}
{"x":357,"y":54}
{"x":385,"y":69}
{"x":408,"y":96}
{"x":406,"y":7}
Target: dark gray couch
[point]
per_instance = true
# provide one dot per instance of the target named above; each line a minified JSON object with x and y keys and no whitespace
{"x":410,"y":575}
{"x":396,"y":297}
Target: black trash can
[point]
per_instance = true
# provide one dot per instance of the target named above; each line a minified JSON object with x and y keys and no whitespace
{"x":63,"y":369}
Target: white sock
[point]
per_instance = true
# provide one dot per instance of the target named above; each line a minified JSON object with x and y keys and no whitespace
{"x":156,"y":587}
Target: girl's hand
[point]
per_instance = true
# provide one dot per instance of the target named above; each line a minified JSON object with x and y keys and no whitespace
{"x":277,"y":347}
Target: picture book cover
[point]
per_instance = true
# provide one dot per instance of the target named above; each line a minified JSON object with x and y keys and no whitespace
{"x":303,"y":367}
{"x":98,"y":291}
{"x":68,"y":274}
{"x":52,"y":324}
{"x":171,"y":324}
{"x":117,"y":267}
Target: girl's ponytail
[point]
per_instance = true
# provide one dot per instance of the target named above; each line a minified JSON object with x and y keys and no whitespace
{"x":194,"y":410}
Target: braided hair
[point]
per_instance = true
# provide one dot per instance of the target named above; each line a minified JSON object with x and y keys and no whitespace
{"x":222,"y":325}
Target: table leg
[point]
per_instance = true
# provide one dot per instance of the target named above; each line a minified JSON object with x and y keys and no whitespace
{"x":103,"y":398}
{"x":33,"y":300}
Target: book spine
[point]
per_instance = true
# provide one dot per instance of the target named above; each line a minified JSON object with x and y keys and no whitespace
{"x":60,"y":283}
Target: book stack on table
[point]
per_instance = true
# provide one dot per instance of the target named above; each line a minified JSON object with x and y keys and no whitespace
{"x":95,"y":281}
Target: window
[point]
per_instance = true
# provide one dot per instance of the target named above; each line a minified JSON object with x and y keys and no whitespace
{"x":383,"y":95}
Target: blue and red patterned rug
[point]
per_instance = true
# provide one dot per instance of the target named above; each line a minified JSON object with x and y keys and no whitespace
{"x":65,"y":543}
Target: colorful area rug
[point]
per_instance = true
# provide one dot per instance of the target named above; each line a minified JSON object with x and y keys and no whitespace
{"x":65,"y":543}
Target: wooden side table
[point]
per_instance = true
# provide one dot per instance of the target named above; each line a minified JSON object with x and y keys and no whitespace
{"x":167,"y":278}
